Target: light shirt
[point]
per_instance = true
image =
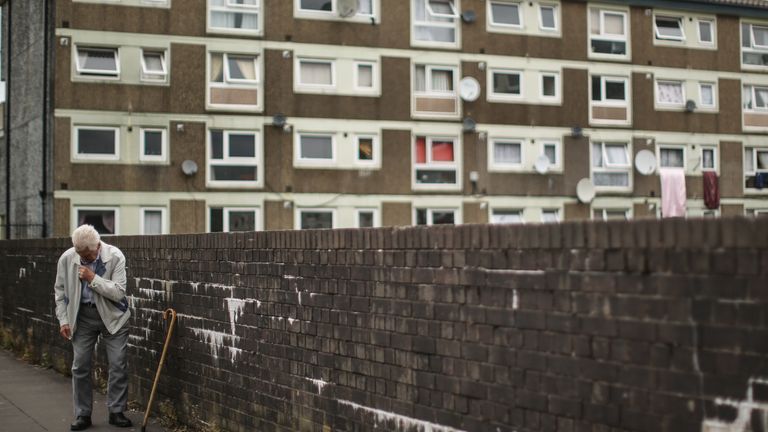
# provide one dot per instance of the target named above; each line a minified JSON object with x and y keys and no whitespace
{"x":87,"y":293}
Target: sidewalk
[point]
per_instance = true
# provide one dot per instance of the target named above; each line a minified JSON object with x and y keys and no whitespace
{"x":34,"y":399}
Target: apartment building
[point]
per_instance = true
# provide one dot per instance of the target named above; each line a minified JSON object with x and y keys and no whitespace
{"x":176,"y":116}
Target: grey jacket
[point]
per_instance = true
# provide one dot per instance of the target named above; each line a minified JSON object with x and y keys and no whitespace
{"x":107,"y":289}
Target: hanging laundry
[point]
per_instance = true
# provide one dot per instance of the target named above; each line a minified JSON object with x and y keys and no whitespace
{"x":760,"y":180}
{"x":711,"y":190}
{"x":672,"y":192}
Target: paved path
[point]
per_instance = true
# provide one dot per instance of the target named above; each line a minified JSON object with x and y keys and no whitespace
{"x":33,"y":399}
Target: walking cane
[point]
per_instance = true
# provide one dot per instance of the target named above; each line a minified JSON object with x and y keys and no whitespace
{"x":160,"y":366}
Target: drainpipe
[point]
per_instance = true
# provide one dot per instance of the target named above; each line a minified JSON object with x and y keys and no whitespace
{"x":7,"y":131}
{"x":46,"y":104}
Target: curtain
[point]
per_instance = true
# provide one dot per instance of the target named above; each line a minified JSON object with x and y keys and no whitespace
{"x":671,"y":158}
{"x":442,"y":80}
{"x":594,"y":21}
{"x":616,"y":154}
{"x":315,"y":73}
{"x":442,"y":151}
{"x":708,"y":159}
{"x":421,"y":150}
{"x":670,"y":92}
{"x":614,"y":24}
{"x":747,"y":97}
{"x":365,"y":7}
{"x":222,"y":19}
{"x":707,"y":95}
{"x":217,"y":68}
{"x":507,"y":152}
{"x":419,"y":10}
{"x":597,"y":155}
{"x":153,"y":222}
{"x":420,"y":79}
{"x":241,"y":68}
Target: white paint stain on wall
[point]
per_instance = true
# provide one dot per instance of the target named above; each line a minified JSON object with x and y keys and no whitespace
{"x":318,"y":383}
{"x":235,"y":307}
{"x":744,"y":408}
{"x":215,"y":340}
{"x":22,"y":273}
{"x":403,"y":422}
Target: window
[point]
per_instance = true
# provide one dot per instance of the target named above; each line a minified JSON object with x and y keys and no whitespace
{"x":429,"y":216}
{"x":316,"y":5}
{"x":549,"y":86}
{"x":671,"y":157}
{"x":434,"y":79}
{"x":507,"y":84}
{"x":328,"y":9}
{"x":548,"y":17}
{"x":97,"y":62}
{"x":153,"y":145}
{"x":234,"y":16}
{"x":609,"y":90}
{"x":367,"y":218}
{"x":435,"y":22}
{"x":608,"y":32}
{"x":365,"y":76}
{"x":610,"y":214}
{"x":551,"y":149}
{"x":670,"y":93}
{"x":550,"y":215}
{"x":506,"y":216}
{"x":366,"y":148}
{"x":435,"y":161}
{"x":754,"y":45}
{"x":610,"y":165}
{"x":669,"y":28}
{"x":233,"y":159}
{"x":761,"y":213}
{"x":152,"y":221}
{"x":234,"y":79}
{"x":103,"y":219}
{"x":153,"y":66}
{"x":708,"y":158}
{"x":231,"y":219}
{"x":755,"y":160}
{"x":755,"y":98}
{"x":505,"y":14}
{"x":316,"y":73}
{"x":97,"y":142}
{"x":316,"y":147}
{"x":434,"y":91}
{"x":706,"y":32}
{"x":707,"y":96}
{"x":506,"y":153}
{"x":316,"y":218}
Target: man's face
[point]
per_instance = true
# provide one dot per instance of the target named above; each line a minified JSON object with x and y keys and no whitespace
{"x":88,"y":255}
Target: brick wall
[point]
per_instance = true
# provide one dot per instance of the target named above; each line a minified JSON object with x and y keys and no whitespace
{"x":643,"y":326}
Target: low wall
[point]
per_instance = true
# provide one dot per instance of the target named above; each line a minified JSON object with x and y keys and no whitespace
{"x":641,"y":326}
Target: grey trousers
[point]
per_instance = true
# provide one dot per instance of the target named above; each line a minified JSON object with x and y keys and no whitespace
{"x":89,"y":327}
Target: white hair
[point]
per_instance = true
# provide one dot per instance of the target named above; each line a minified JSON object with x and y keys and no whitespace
{"x":85,"y":236}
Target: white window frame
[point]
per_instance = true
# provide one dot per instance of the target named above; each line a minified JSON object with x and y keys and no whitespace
{"x":96,"y":74}
{"x":714,"y":104}
{"x":225,"y":217}
{"x":430,"y":215}
{"x":519,"y":211}
{"x":659,"y":103}
{"x":163,"y":219}
{"x":374,"y":76}
{"x":146,"y":75}
{"x":234,"y":161}
{"x":555,"y":11}
{"x":493,"y":165}
{"x":754,"y":152}
{"x":611,"y":168}
{"x":712,"y":30}
{"x":76,"y":155}
{"x":164,"y":145}
{"x":556,"y":211}
{"x":609,"y":36}
{"x":430,"y":165}
{"x":683,"y":148}
{"x":375,"y":150}
{"x":753,"y":88}
{"x":331,"y":62}
{"x":715,"y":161}
{"x":230,"y":83}
{"x":332,"y":15}
{"x":753,"y":47}
{"x":315,"y":161}
{"x":455,"y":25}
{"x":558,"y":165}
{"x":610,"y":102}
{"x":76,"y":217}
{"x":300,"y":210}
{"x":236,"y":8}
{"x":520,"y":14}
{"x":505,"y":97}
{"x":374,"y":210}
{"x":428,"y":70}
{"x":542,"y":96}
{"x":680,"y":23}
{"x":605,"y":210}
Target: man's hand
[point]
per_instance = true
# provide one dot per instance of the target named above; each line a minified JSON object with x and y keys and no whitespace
{"x":86,"y":274}
{"x":65,"y":331}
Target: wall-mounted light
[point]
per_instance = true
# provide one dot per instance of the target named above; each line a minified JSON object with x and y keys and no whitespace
{"x":180,"y":127}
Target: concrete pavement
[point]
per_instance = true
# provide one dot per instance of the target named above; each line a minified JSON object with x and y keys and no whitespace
{"x":33,"y":399}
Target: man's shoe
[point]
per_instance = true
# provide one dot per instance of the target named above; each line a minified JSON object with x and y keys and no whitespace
{"x":81,"y":423}
{"x":119,"y":420}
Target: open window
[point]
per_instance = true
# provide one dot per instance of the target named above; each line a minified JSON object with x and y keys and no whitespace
{"x":507,"y":216}
{"x":611,"y":168}
{"x":104,"y":219}
{"x":669,"y":28}
{"x":754,"y":45}
{"x":234,"y":16}
{"x":435,"y":23}
{"x":97,"y":62}
{"x":234,"y":158}
{"x":153,"y":66}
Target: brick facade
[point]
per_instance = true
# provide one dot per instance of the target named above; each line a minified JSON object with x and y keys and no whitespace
{"x":644,"y":326}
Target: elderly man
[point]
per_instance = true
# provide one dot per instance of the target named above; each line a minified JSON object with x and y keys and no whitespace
{"x":90,"y":301}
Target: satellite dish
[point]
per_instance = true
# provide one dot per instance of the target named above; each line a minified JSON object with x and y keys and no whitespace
{"x":189,"y":167}
{"x":585,"y":191}
{"x":278,"y":120}
{"x":468,"y":16}
{"x":468,"y":124}
{"x":690,"y":105}
{"x":469,"y":89}
{"x":645,"y":162}
{"x":347,"y":8}
{"x":542,"y":164}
